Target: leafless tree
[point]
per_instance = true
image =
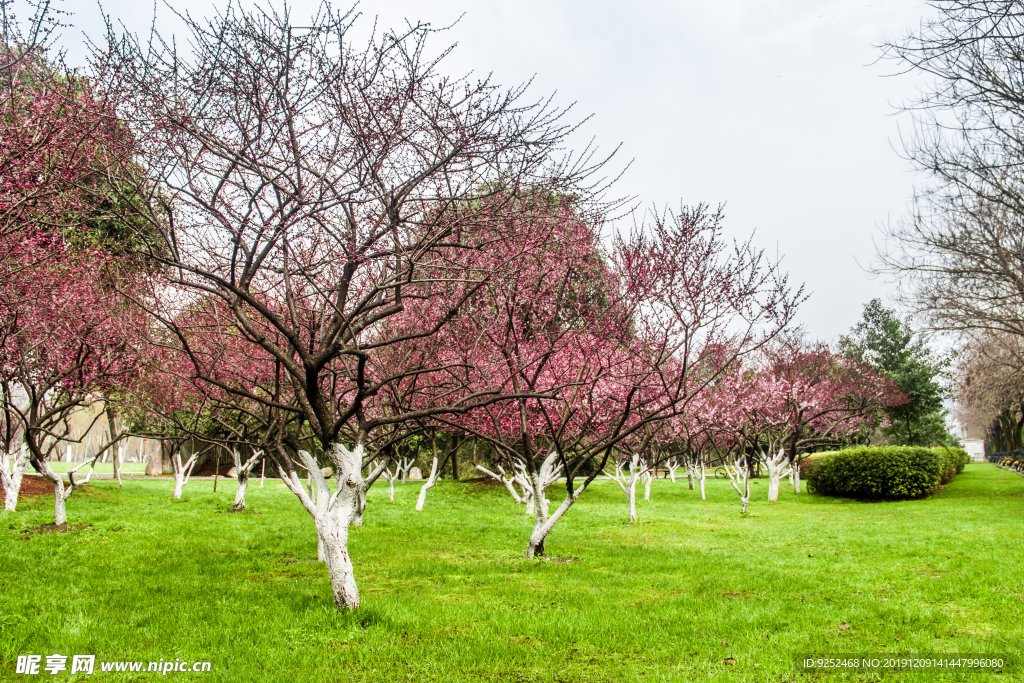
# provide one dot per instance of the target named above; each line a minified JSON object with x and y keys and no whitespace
{"x":959,"y":258}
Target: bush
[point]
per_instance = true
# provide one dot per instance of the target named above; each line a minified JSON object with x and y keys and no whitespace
{"x":955,"y":460}
{"x":882,"y":473}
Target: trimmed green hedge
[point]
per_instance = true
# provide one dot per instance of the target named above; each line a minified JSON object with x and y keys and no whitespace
{"x":955,"y":460}
{"x":883,"y":473}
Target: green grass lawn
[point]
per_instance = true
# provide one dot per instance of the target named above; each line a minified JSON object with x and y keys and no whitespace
{"x":447,"y":597}
{"x":101,"y":467}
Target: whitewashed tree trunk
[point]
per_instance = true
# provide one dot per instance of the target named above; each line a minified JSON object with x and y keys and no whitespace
{"x":778,"y":467}
{"x":428,"y":484}
{"x":631,"y":497}
{"x":702,"y":475}
{"x":796,"y":478}
{"x":628,"y":484}
{"x":391,"y":477}
{"x":242,"y":472}
{"x":181,"y":472}
{"x":119,"y":457}
{"x":739,"y":475}
{"x":648,"y":478}
{"x":333,"y":514}
{"x":357,"y":519}
{"x":407,"y":464}
{"x":115,"y":449}
{"x":60,"y":509}
{"x":60,"y":493}
{"x":542,"y":525}
{"x":243,"y":484}
{"x":12,"y":470}
{"x":672,"y":466}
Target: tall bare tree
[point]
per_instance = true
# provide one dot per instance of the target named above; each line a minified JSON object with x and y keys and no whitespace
{"x":959,"y":257}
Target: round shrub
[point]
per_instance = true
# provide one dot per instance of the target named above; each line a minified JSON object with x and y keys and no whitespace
{"x":879,"y":473}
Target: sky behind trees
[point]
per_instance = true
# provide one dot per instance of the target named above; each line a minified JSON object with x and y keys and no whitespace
{"x":779,"y":109}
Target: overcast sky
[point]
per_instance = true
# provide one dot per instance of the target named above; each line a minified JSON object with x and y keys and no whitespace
{"x":777,"y":108}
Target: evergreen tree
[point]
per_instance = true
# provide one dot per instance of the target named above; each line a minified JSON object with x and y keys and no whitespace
{"x":890,"y":346}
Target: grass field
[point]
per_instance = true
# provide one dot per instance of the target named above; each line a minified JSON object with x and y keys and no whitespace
{"x":447,"y":597}
{"x":101,"y":467}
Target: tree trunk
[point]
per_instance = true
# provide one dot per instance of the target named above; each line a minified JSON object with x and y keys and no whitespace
{"x":542,"y":527}
{"x":119,"y":457}
{"x":796,"y":479}
{"x":243,"y":484}
{"x":154,"y":461}
{"x":333,"y":514}
{"x":689,"y":477}
{"x":332,"y":527}
{"x":631,"y":496}
{"x":216,"y":472}
{"x":740,"y":474}
{"x":242,"y":472}
{"x":773,"y":486}
{"x":12,"y":487}
{"x":427,"y":485}
{"x":357,"y":518}
{"x":181,"y":472}
{"x":648,"y":478}
{"x":391,"y":490}
{"x":703,"y":477}
{"x":12,"y":470}
{"x":115,"y":447}
{"x":776,"y":465}
{"x":60,"y":513}
{"x":338,"y":512}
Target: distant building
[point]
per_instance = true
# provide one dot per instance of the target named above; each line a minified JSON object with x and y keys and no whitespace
{"x":975,"y":448}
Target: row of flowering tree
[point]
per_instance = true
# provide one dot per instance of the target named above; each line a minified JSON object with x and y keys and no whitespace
{"x":330,"y":250}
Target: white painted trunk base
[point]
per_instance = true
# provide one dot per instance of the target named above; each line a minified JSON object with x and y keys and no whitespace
{"x":427,"y":485}
{"x":243,"y":484}
{"x":12,"y":470}
{"x":778,"y":466}
{"x":333,"y":514}
{"x":628,"y":483}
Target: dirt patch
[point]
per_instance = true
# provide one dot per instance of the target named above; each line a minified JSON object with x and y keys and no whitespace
{"x":52,"y":528}
{"x":33,"y":486}
{"x":238,"y":512}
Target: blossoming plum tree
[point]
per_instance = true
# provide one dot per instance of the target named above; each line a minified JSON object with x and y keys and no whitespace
{"x":320,"y":189}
